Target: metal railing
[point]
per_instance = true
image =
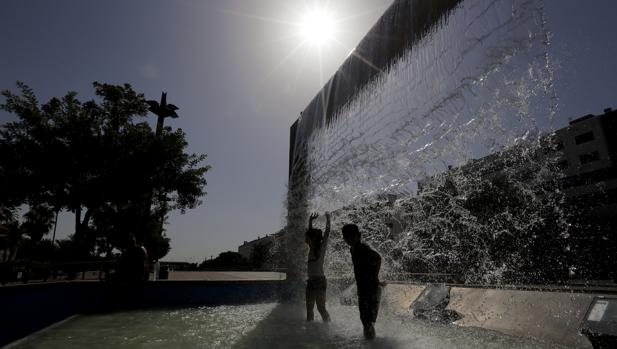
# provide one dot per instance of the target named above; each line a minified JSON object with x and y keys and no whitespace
{"x":23,"y":272}
{"x":35,"y":272}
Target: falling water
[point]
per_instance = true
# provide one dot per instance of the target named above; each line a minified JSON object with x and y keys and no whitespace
{"x":463,"y":114}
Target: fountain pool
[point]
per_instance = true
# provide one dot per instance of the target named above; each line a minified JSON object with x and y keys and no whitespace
{"x":269,"y":325}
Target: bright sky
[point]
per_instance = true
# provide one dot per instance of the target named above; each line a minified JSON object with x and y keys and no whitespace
{"x":241,"y":71}
{"x":235,"y":68}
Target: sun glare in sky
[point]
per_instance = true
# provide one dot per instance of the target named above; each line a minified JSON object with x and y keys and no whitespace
{"x":316,"y":31}
{"x":318,"y":27}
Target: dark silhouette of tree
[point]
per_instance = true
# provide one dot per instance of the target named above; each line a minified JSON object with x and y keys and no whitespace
{"x":14,"y":236}
{"x":27,"y":233}
{"x":37,"y":222}
{"x":98,"y":161}
{"x":226,"y":260}
{"x":260,"y":254}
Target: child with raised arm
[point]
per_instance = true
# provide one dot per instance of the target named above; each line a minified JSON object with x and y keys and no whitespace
{"x":316,"y":283}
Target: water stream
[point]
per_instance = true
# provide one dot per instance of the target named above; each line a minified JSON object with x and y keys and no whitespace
{"x":462,"y":114}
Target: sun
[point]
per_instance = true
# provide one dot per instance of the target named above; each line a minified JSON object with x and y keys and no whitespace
{"x":318,"y":27}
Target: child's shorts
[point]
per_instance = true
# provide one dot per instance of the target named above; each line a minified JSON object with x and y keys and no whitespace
{"x":316,"y":284}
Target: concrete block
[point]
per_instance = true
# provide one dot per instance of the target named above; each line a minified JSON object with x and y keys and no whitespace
{"x":431,"y":305}
{"x":554,"y":316}
{"x":399,"y":297}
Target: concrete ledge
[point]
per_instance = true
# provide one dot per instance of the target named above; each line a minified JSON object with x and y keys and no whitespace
{"x":547,"y":313}
{"x":399,"y":297}
{"x":226,"y":275}
{"x":29,"y":308}
{"x":554,"y":316}
{"x":166,"y":293}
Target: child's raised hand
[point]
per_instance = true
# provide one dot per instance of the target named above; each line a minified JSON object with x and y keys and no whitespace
{"x":313,"y":215}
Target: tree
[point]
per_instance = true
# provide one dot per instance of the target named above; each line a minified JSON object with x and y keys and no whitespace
{"x":14,"y":236}
{"x":226,"y":260}
{"x":37,"y":222}
{"x":92,"y":158}
{"x":34,"y":225}
{"x":260,"y":254}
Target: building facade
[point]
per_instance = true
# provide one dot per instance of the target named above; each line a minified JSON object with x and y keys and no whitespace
{"x":246,"y":249}
{"x":589,"y":157}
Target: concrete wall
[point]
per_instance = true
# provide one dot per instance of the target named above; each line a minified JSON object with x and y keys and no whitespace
{"x":28,"y":308}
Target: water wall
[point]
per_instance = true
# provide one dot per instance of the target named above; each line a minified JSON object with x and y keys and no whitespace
{"x":436,"y":137}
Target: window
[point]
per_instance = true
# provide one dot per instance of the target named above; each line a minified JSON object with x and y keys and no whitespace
{"x":589,"y":157}
{"x":584,"y":138}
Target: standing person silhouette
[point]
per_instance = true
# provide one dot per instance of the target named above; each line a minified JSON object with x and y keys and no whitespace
{"x":134,"y":262}
{"x":316,"y":284}
{"x":366,"y":265}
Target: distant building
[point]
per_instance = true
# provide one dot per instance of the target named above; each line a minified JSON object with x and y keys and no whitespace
{"x":583,"y":157}
{"x":247,"y":247}
{"x":588,"y":158}
{"x":589,"y":161}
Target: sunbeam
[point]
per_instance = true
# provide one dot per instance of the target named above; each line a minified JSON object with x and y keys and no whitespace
{"x":315,"y":31}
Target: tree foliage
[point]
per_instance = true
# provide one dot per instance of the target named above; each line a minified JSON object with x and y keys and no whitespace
{"x":99,"y":159}
{"x":226,"y":261}
{"x":261,"y":254}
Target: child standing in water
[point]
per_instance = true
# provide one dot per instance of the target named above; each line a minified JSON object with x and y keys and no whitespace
{"x":366,"y":265}
{"x":316,"y":283}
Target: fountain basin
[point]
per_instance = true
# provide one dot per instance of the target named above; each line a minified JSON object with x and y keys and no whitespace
{"x":247,"y":314}
{"x":268,"y":325}
{"x":29,"y":308}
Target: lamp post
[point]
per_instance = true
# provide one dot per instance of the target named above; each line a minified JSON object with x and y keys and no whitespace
{"x":162,"y":110}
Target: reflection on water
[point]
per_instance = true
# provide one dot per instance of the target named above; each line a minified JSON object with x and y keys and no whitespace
{"x":393,"y":332}
{"x":268,"y":326}
{"x":203,"y":327}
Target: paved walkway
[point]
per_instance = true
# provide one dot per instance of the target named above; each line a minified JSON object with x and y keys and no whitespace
{"x":225,"y":275}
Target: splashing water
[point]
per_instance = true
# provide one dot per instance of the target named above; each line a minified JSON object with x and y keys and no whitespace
{"x":456,"y":129}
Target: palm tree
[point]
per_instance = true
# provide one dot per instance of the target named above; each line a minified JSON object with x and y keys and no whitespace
{"x":11,"y":234}
{"x":38,"y":221}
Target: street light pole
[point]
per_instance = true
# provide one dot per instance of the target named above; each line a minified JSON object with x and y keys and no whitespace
{"x":162,"y":110}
